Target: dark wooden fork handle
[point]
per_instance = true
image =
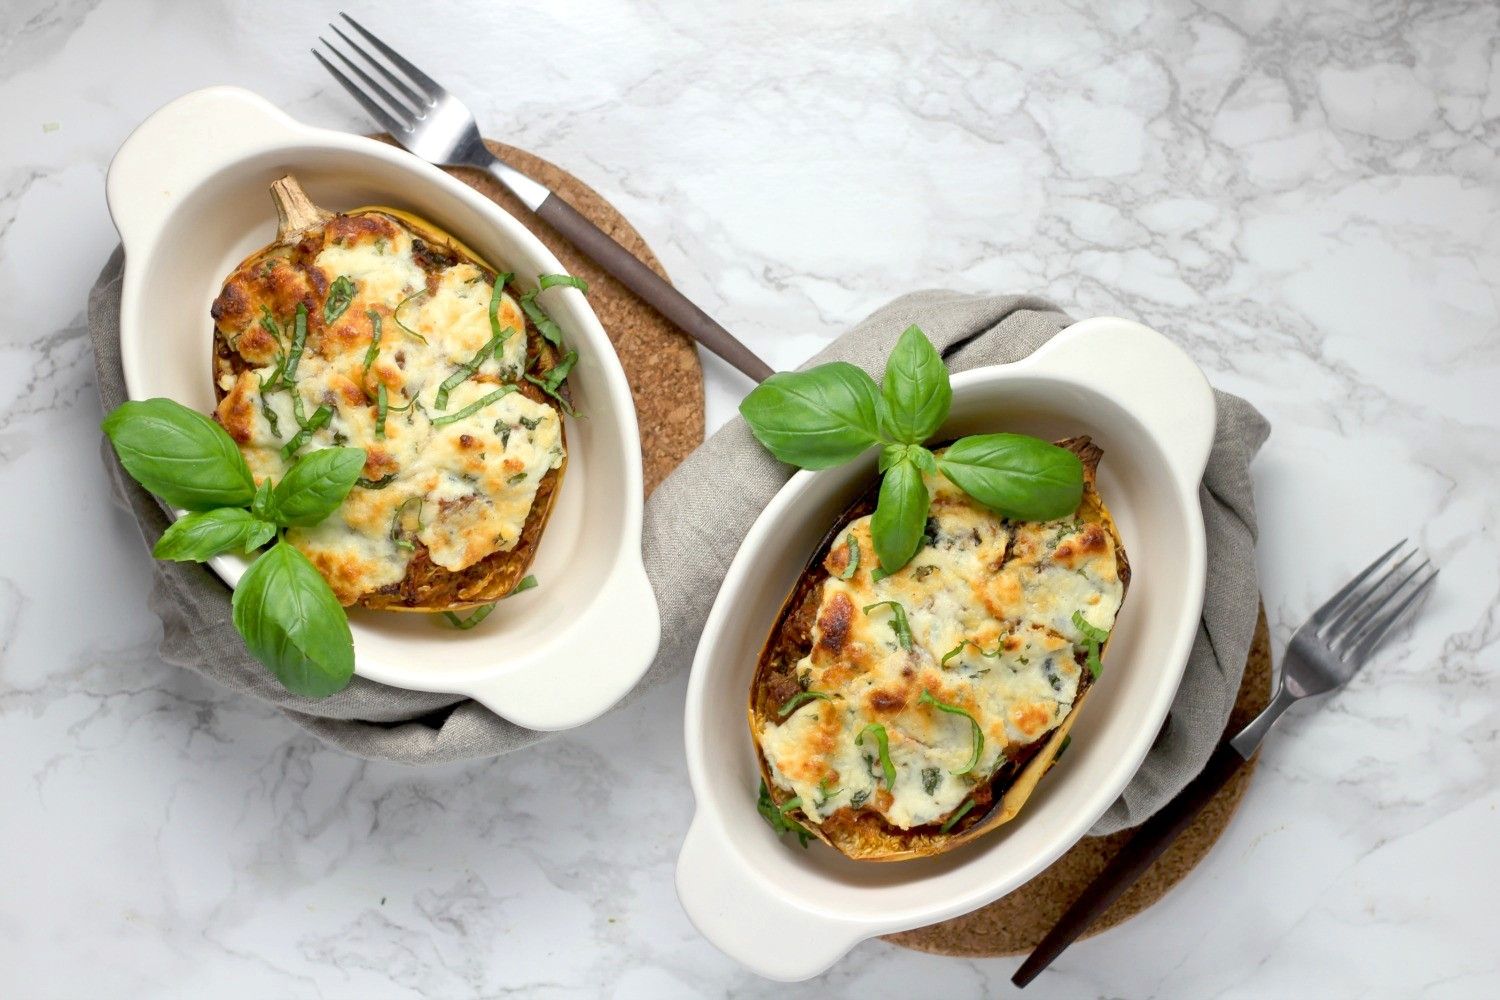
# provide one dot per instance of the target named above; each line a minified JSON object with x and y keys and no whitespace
{"x":1139,"y":853}
{"x":644,"y":282}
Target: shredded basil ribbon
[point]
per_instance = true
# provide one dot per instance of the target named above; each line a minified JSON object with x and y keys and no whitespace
{"x":942,"y":706}
{"x":397,"y":535}
{"x":960,"y":648}
{"x":299,"y":341}
{"x":800,"y":698}
{"x":553,"y":379}
{"x":374,"y":349}
{"x":882,"y":744}
{"x":474,"y":407}
{"x":962,"y":811}
{"x":267,"y":409}
{"x":776,"y":815}
{"x":340,"y":294}
{"x":1063,"y":748}
{"x":853,"y":565}
{"x":546,"y":281}
{"x":376,"y":484}
{"x":396,"y":315}
{"x":1095,"y":637}
{"x":898,"y":621}
{"x":320,"y":417}
{"x":549,"y":330}
{"x":382,"y":403}
{"x":480,"y":614}
{"x":527,"y":582}
{"x":269,"y":324}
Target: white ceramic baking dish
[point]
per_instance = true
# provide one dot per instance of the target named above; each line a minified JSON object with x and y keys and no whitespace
{"x":789,"y":913}
{"x":189,"y":193}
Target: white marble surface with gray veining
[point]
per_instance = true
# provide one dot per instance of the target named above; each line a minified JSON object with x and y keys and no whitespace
{"x":1306,"y":196}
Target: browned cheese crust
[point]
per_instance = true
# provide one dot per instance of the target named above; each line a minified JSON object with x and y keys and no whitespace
{"x":279,"y":278}
{"x":864,"y":834}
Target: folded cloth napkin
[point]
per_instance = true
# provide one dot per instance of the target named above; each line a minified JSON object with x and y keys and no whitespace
{"x":693,"y":527}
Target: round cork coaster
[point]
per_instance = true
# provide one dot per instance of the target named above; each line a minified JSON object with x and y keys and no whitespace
{"x":660,"y":362}
{"x":1015,"y":924}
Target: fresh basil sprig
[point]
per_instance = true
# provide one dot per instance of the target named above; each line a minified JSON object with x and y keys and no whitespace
{"x":833,"y":413}
{"x":283,"y":607}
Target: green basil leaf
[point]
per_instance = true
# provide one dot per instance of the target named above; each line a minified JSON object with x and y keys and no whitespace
{"x":900,"y":516}
{"x":200,"y":536}
{"x":922,"y":458}
{"x":314,"y":487}
{"x":291,"y":622}
{"x":1020,"y":477}
{"x":527,"y":582}
{"x":815,"y":419}
{"x":916,"y":391}
{"x":340,"y":294}
{"x":179,"y":454}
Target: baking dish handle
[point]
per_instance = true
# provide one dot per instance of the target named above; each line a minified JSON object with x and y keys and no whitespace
{"x":742,"y":915}
{"x":566,"y":684}
{"x":180,"y":145}
{"x":1154,"y":379}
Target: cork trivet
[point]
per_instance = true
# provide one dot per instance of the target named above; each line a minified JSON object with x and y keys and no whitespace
{"x":1015,"y":924}
{"x":661,"y":364}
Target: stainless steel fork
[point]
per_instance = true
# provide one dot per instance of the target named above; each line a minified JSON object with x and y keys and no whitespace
{"x":430,"y":122}
{"x":1323,"y":655}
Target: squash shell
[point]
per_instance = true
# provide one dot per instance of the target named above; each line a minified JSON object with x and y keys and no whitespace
{"x":427,"y":587}
{"x":864,"y":835}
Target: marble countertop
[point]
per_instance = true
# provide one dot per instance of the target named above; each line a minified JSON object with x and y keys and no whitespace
{"x":1305,"y":196}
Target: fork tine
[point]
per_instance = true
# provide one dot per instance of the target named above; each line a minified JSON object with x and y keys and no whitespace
{"x":413,"y":99}
{"x":1360,"y":622}
{"x":430,"y":87}
{"x":1360,"y":653}
{"x":401,"y":108}
{"x":1334,"y":603}
{"x":382,"y":117}
{"x":1342,"y":623}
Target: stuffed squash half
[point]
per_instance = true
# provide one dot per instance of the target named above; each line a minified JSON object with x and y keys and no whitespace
{"x":898,"y":716}
{"x":373,"y":329}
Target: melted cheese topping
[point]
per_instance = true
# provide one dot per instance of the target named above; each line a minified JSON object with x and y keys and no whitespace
{"x":1000,"y":593}
{"x":462,"y":488}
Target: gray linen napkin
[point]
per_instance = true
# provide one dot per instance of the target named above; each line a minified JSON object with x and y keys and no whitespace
{"x":693,"y":528}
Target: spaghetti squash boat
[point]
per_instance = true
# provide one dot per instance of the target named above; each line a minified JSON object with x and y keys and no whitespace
{"x":899,"y":716}
{"x":373,"y":329}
